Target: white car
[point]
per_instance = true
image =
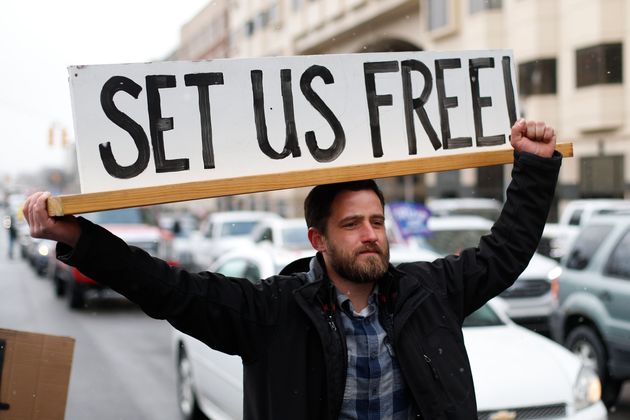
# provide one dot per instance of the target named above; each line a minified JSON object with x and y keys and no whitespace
{"x":517,"y":374}
{"x":219,"y":233}
{"x":531,"y":299}
{"x":578,"y":212}
{"x":487,"y":208}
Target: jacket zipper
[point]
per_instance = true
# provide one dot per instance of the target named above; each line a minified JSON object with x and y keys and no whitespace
{"x":427,"y":359}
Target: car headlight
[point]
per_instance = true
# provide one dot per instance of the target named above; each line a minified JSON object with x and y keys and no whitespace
{"x":587,"y":389}
{"x":43,"y":250}
{"x":554,"y":273}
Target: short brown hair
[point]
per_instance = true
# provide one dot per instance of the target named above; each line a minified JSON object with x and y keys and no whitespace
{"x":319,"y":201}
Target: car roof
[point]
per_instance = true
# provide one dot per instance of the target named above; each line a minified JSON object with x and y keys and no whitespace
{"x":464,"y":202}
{"x":458,"y":222}
{"x":621,"y":216}
{"x":281,"y":222}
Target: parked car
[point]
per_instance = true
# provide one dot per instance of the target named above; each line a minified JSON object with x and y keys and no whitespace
{"x":516,"y":372}
{"x":556,"y":240}
{"x":219,"y":233}
{"x":38,"y":254}
{"x":136,"y":226}
{"x":531,"y":299}
{"x":558,"y":237}
{"x":488,"y":208}
{"x":578,"y":212}
{"x":593,"y":317}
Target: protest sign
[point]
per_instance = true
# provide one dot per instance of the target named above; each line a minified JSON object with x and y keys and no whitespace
{"x":171,"y":131}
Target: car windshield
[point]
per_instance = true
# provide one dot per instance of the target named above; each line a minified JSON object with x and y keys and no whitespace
{"x":240,"y":228}
{"x":132,"y":215}
{"x":483,"y":317}
{"x":450,"y":241}
{"x":490,"y":214}
{"x":296,"y":238}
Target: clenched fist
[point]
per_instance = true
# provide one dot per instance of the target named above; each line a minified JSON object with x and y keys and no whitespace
{"x":534,"y":137}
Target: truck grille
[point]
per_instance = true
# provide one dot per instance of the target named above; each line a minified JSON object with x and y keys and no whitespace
{"x":527,"y":288}
{"x":554,"y":411}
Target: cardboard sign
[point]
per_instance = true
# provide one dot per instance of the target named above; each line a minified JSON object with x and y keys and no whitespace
{"x":34,"y":375}
{"x":151,"y":124}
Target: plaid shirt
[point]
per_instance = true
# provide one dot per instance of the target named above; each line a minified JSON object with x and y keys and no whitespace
{"x":375,"y":388}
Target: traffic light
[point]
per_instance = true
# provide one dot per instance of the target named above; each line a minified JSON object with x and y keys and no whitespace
{"x":51,"y":136}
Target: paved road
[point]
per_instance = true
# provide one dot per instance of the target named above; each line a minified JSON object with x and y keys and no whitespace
{"x":123,"y":366}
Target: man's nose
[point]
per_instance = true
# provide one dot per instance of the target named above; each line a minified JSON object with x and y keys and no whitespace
{"x":368,"y":233}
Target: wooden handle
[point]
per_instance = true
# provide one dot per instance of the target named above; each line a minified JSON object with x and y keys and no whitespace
{"x":108,"y":200}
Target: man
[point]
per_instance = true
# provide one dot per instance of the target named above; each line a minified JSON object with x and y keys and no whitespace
{"x":353,"y":337}
{"x":12,"y":235}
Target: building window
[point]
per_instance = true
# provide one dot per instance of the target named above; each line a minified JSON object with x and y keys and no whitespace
{"x":249,"y":27}
{"x":600,"y":64}
{"x":438,"y":13}
{"x":601,"y":177}
{"x":537,"y":77}
{"x":481,"y":5}
{"x":297,"y":5}
{"x":263,"y":19}
{"x":490,"y":182}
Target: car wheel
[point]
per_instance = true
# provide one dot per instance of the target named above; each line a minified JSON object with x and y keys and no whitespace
{"x":186,"y":397}
{"x":76,"y":296}
{"x":60,"y":286}
{"x":586,"y":344}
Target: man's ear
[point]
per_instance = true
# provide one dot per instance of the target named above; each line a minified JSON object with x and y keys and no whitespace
{"x":316,"y":239}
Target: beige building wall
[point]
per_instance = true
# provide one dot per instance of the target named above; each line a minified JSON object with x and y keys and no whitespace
{"x":595,"y":118}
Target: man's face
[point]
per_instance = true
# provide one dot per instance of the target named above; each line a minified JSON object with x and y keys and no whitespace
{"x":355,"y":244}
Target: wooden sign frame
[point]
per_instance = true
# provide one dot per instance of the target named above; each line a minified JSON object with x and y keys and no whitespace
{"x":109,"y":200}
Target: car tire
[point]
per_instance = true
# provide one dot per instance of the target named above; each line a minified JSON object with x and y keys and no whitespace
{"x":76,"y":295}
{"x":186,"y":396}
{"x":588,"y":346}
{"x":60,"y":286}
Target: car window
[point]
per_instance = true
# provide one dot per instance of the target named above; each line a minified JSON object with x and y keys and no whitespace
{"x":451,"y":241}
{"x":619,"y":263}
{"x":296,"y":238}
{"x":490,"y":214}
{"x":237,"y":228}
{"x":585,"y":245}
{"x":241,"y":268}
{"x":483,"y":317}
{"x":252,"y":273}
{"x":265,"y":235}
{"x":575,"y":217}
{"x":233,"y":268}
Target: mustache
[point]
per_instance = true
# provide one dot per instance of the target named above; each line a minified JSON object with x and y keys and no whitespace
{"x":369,"y":248}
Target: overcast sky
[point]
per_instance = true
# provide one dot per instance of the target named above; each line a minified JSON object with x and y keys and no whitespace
{"x":39,"y":39}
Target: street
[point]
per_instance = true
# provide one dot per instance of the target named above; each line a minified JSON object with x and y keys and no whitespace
{"x":123,"y":366}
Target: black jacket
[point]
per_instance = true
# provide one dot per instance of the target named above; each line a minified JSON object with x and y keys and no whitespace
{"x":291,"y":342}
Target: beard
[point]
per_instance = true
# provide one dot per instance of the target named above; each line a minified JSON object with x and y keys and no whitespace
{"x":366,"y":269}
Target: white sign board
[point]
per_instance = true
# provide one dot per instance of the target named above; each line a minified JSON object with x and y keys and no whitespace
{"x":150,"y":124}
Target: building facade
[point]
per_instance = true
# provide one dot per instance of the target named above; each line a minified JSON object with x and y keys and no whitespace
{"x":570,"y":64}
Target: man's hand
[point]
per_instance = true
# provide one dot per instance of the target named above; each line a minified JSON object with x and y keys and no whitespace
{"x":534,"y":137}
{"x":61,"y":229}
